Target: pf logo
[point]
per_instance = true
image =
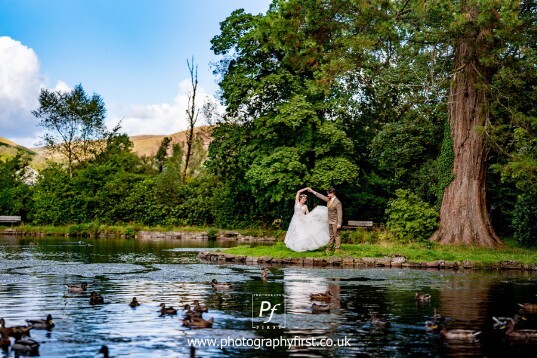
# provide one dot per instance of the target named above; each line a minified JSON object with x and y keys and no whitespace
{"x":268,"y":311}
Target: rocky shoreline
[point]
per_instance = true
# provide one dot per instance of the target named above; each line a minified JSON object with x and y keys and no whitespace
{"x":153,"y":235}
{"x":350,"y":262}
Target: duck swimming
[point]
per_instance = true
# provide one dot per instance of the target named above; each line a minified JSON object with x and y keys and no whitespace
{"x":46,"y":323}
{"x":199,"y":308}
{"x":167,"y":310}
{"x":198,"y":322}
{"x":520,"y":335}
{"x":325,"y":297}
{"x":104,"y":351}
{"x":26,"y":346}
{"x":377,"y":322}
{"x":77,"y":288}
{"x":460,"y":334}
{"x":16,"y":332}
{"x":134,"y":302}
{"x":315,"y":308}
{"x":96,"y":298}
{"x":422,"y":297}
{"x":220,"y":285}
{"x":528,"y":307}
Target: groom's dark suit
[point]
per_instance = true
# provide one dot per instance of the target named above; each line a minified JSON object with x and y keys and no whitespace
{"x":335,"y":218}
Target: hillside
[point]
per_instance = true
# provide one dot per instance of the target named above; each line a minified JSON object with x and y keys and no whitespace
{"x":148,"y":144}
{"x":8,"y":148}
{"x":143,"y":145}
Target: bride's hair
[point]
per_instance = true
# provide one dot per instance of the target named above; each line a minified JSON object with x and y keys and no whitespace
{"x":302,"y":196}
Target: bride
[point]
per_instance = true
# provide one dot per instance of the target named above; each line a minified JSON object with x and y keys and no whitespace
{"x":307,"y":230}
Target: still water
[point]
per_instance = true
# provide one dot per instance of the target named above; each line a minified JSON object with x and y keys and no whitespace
{"x":34,"y":272}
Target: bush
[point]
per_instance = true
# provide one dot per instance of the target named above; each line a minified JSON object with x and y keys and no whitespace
{"x":409,"y":218}
{"x":212,"y":233}
{"x":525,"y":219}
{"x":359,"y":236}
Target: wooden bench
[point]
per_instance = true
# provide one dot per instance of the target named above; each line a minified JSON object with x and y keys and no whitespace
{"x":10,"y":219}
{"x":355,"y":224}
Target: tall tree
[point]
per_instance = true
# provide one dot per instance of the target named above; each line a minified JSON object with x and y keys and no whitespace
{"x":75,"y":124}
{"x":484,"y":33}
{"x":192,"y":113}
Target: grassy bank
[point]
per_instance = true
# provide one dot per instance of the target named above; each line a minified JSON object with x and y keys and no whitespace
{"x":412,"y":252}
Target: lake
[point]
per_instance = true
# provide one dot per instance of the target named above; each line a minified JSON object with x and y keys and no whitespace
{"x":34,"y":273}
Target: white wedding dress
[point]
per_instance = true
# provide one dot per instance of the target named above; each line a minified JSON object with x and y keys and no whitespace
{"x":308,"y":232}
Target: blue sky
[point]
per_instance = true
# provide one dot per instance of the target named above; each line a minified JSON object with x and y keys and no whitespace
{"x":131,"y":52}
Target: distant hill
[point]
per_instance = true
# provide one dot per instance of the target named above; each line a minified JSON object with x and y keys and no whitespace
{"x":148,"y":144}
{"x":143,"y":145}
{"x":8,"y":149}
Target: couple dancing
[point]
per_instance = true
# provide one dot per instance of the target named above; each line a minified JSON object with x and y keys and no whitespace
{"x":311,"y":230}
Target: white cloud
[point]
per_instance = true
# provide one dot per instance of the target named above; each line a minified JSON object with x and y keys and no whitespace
{"x":163,"y":118}
{"x":20,"y":84}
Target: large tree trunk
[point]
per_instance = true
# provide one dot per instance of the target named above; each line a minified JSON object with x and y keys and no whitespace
{"x":464,"y":217}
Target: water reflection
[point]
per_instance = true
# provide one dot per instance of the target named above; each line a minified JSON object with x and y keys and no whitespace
{"x":34,"y":273}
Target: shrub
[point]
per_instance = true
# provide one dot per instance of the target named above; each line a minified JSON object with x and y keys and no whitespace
{"x":409,"y":218}
{"x":212,"y":233}
{"x":525,"y":219}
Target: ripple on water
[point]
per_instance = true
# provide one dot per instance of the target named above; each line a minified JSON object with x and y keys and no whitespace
{"x":32,"y":284}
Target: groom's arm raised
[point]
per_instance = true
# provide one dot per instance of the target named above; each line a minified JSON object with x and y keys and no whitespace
{"x":320,"y":196}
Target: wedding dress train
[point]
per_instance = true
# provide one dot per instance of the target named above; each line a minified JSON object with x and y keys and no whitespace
{"x":308,"y":232}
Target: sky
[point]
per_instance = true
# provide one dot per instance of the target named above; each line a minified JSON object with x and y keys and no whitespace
{"x":133,"y":53}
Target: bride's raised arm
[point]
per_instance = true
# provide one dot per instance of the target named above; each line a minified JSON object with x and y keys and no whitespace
{"x":297,"y":197}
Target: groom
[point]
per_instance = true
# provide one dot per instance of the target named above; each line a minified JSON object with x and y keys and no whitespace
{"x":335,"y":215}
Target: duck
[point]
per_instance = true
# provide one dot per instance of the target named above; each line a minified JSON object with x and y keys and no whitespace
{"x":26,"y":346}
{"x":422,"y":297}
{"x":5,"y":342}
{"x":16,"y":332}
{"x":96,"y":298}
{"x":199,"y":308}
{"x":220,"y":285}
{"x":46,"y":323}
{"x":377,"y":322}
{"x":167,"y":310}
{"x":318,"y":308}
{"x":104,"y":351}
{"x":528,"y":307}
{"x":431,"y":326}
{"x":326,"y":297}
{"x":520,"y":335}
{"x":460,"y":334}
{"x":501,"y":322}
{"x":265,"y":273}
{"x":198,"y":322}
{"x":134,"y":302}
{"x":189,"y":314}
{"x":77,"y":288}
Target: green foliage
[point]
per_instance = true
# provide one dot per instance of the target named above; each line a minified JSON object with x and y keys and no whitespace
{"x":15,"y":193}
{"x":360,"y":236}
{"x":409,"y":219}
{"x":212,"y":233}
{"x":525,"y":219}
{"x":74,"y":124}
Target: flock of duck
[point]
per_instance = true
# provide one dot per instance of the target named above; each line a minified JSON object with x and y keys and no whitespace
{"x":513,"y":334}
{"x":193,"y":318}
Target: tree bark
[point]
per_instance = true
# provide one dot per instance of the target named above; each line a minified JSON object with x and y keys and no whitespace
{"x":464,"y":217}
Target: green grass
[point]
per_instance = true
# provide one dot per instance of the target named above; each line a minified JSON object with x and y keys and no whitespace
{"x":412,"y":252}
